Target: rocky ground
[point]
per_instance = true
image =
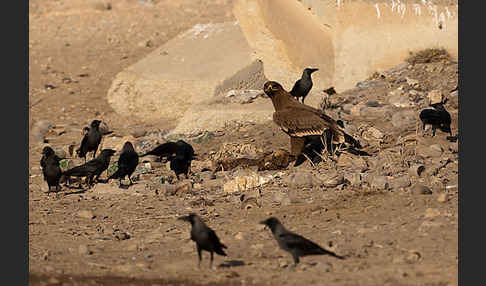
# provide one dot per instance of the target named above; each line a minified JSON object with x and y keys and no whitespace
{"x":393,"y":214}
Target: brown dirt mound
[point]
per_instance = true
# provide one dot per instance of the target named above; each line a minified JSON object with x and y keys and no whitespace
{"x":431,"y":55}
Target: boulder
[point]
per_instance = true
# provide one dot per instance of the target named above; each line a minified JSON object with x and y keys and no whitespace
{"x":205,"y":61}
{"x":244,"y":181}
{"x":435,"y":96}
{"x":404,"y":119}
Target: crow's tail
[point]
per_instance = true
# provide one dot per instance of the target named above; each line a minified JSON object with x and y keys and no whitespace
{"x":220,"y":252}
{"x":333,"y":254}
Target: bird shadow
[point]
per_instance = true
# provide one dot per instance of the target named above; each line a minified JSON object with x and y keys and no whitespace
{"x":451,"y":138}
{"x":78,"y":187}
{"x":124,"y":187}
{"x":82,"y":191}
{"x":232,"y":263}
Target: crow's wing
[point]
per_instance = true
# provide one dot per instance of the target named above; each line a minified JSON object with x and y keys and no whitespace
{"x":295,"y":91}
{"x":84,"y":170}
{"x":83,"y":148}
{"x":128,"y":161}
{"x":44,"y":167}
{"x":295,"y":241}
{"x":304,"y":246}
{"x":165,"y":149}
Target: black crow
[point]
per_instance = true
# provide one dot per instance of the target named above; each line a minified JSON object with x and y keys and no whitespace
{"x":127,"y":163}
{"x":92,"y":168}
{"x":179,"y":153}
{"x":91,"y":140}
{"x":437,"y":117}
{"x":330,"y":91}
{"x":302,"y":86}
{"x":205,"y":237}
{"x":293,"y":243}
{"x":50,"y":168}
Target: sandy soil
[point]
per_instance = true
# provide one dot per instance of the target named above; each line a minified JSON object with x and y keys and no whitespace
{"x":392,"y":237}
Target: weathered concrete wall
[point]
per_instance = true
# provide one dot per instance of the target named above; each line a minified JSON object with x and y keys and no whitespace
{"x":307,"y":42}
{"x":276,"y":39}
{"x":349,"y":40}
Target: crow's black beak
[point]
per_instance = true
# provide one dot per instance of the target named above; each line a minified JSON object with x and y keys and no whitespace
{"x":313,"y":70}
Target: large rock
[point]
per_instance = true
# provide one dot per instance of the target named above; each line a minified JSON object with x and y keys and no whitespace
{"x":115,"y":143}
{"x":435,"y":96}
{"x":231,"y":155}
{"x":214,"y":116}
{"x":398,"y":99}
{"x":453,"y":99}
{"x":204,"y":61}
{"x":40,"y":129}
{"x":276,"y":160}
{"x":300,"y":180}
{"x":404,"y":119}
{"x":245,"y":180}
{"x":400,"y":182}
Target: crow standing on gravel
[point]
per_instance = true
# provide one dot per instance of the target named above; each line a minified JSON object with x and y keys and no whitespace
{"x":127,"y":163}
{"x":92,"y":168}
{"x":293,"y":243}
{"x":437,"y":117}
{"x":91,"y":140}
{"x":50,"y":168}
{"x":300,"y":121}
{"x":303,"y":85}
{"x":205,"y":237}
{"x":180,"y":154}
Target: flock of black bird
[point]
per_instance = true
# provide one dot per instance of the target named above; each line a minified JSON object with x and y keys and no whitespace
{"x":310,"y":131}
{"x":180,"y":154}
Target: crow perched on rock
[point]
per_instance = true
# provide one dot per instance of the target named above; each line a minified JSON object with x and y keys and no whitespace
{"x":437,"y":117}
{"x":302,"y":86}
{"x":205,"y":237}
{"x":127,"y":163}
{"x":300,"y":121}
{"x":180,"y":154}
{"x":50,"y":168}
{"x":293,"y":243}
{"x":91,"y":140}
{"x":92,"y":168}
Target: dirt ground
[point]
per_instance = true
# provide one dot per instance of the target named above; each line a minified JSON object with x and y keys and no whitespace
{"x":390,"y":236}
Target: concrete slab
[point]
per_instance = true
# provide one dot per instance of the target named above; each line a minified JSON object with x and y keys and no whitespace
{"x":205,"y":61}
{"x":217,"y":116}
